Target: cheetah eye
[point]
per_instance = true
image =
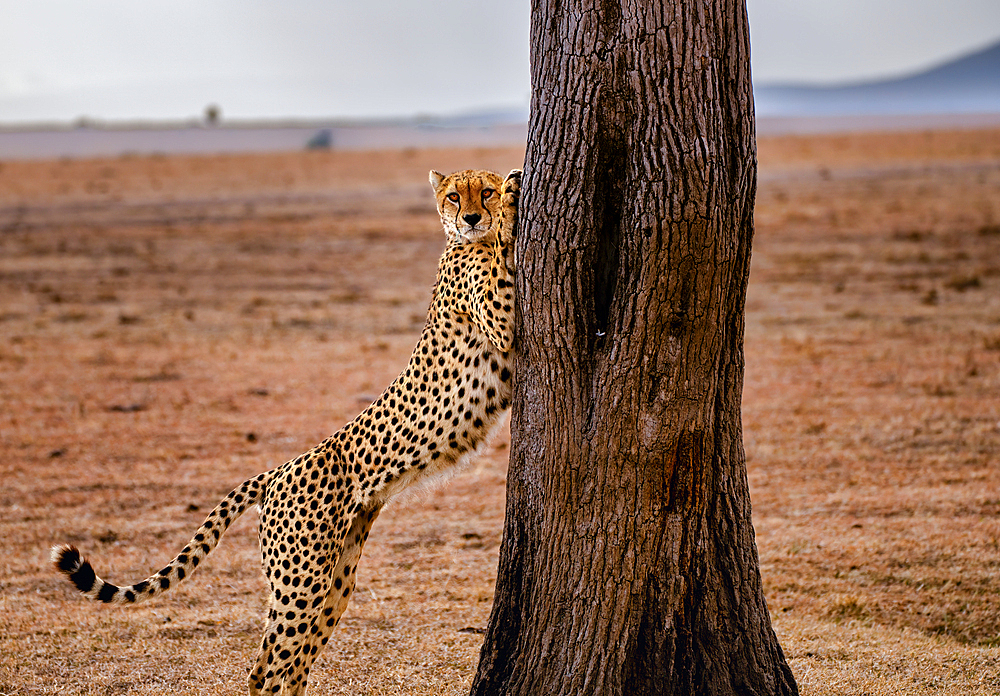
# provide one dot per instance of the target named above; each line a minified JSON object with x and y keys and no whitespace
{"x":454,"y":197}
{"x":487,"y":193}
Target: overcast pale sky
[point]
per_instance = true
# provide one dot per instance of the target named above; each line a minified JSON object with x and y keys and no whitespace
{"x":156,"y":59}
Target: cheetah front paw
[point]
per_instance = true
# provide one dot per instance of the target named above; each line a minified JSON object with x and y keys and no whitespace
{"x":510,"y":198}
{"x":512,"y":189}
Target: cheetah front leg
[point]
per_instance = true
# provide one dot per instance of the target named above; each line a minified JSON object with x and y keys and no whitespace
{"x":493,"y":293}
{"x":507,"y":234}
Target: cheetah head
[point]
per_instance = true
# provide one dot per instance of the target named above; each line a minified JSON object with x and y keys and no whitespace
{"x":468,"y":202}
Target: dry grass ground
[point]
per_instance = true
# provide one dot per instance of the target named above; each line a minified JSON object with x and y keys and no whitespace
{"x":170,"y":326}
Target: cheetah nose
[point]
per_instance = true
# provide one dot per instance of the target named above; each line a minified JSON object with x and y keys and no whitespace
{"x":472,"y":218}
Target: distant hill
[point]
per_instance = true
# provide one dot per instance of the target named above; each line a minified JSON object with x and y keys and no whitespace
{"x":970,"y":84}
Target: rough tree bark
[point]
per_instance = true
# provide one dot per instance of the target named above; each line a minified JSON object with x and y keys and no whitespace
{"x":628,"y":564}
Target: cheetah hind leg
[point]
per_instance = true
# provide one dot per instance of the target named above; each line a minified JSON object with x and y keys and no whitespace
{"x":286,"y":654}
{"x":291,"y":619}
{"x":344,"y":576}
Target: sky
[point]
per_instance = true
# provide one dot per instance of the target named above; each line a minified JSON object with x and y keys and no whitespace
{"x":266,"y":59}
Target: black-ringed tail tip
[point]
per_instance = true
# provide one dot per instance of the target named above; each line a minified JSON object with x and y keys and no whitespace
{"x":69,"y":562}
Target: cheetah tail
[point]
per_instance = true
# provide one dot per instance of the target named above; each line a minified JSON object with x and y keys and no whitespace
{"x":68,"y":560}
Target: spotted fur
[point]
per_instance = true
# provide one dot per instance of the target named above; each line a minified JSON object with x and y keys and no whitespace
{"x":316,"y":511}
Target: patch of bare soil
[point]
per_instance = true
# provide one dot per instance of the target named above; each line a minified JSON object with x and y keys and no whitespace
{"x":170,"y":326}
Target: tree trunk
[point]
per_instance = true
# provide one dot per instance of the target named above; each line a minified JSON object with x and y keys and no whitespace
{"x":628,"y":564}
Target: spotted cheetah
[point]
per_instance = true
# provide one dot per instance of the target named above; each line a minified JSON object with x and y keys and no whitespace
{"x":316,"y":510}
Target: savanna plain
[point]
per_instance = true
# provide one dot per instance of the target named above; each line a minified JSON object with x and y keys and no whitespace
{"x":170,"y":326}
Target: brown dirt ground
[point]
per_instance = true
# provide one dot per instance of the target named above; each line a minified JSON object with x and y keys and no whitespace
{"x":171,"y":325}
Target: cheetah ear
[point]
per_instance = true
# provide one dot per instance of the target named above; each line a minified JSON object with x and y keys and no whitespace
{"x":436,"y":178}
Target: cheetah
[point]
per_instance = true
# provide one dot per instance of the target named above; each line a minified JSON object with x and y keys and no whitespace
{"x":316,"y":510}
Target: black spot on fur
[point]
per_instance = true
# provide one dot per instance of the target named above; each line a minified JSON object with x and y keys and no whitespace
{"x":107,"y":593}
